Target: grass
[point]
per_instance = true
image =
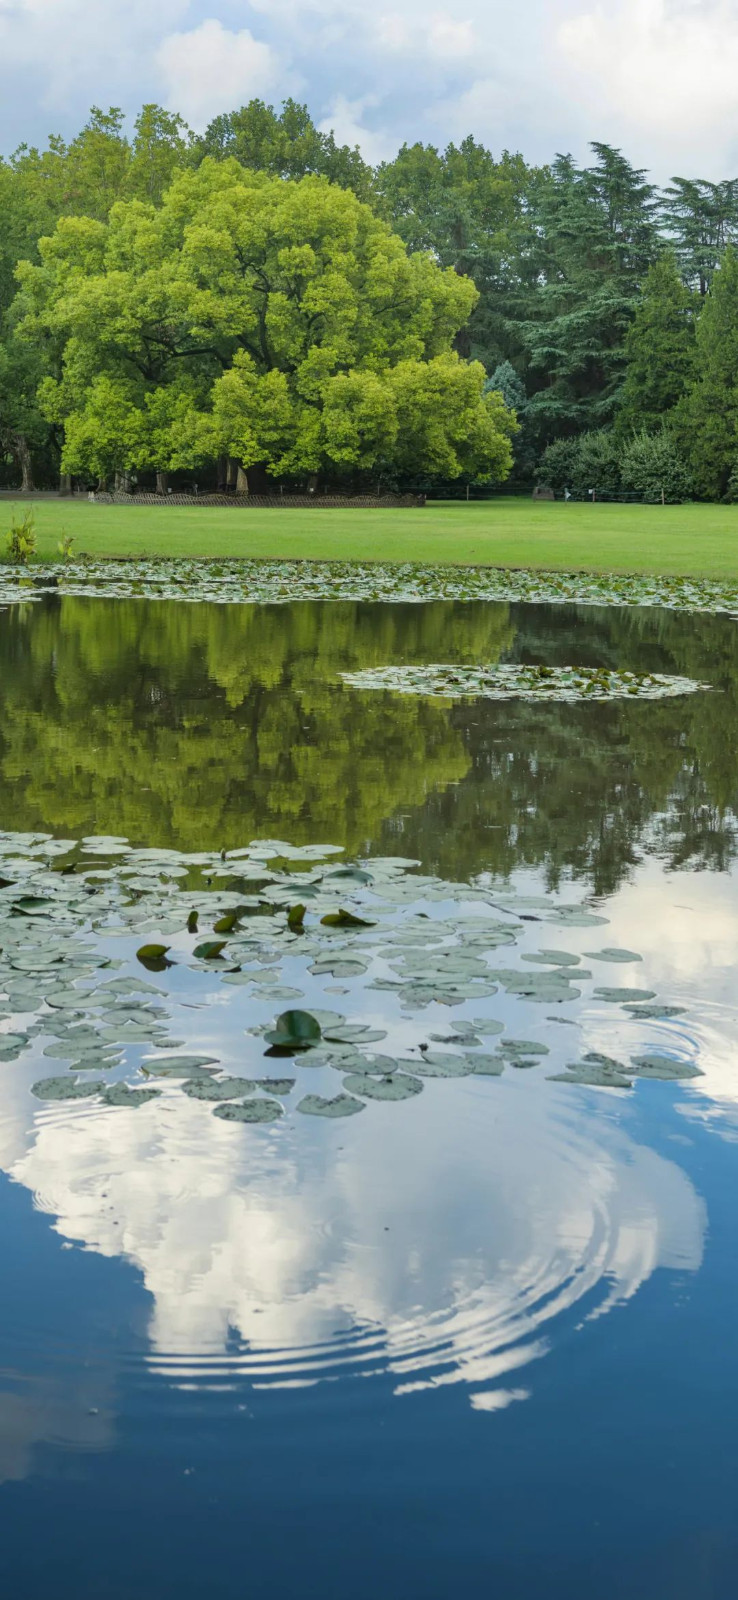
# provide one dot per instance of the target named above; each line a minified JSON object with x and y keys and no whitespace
{"x":699,"y":541}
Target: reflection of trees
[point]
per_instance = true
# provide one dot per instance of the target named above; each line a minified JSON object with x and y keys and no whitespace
{"x":584,"y":788}
{"x":208,"y":725}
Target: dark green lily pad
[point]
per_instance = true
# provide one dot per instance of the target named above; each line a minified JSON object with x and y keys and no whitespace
{"x":295,"y":1030}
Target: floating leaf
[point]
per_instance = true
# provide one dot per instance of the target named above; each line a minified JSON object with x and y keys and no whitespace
{"x":119,"y":1094}
{"x":205,"y":1088}
{"x":658,"y":1066}
{"x":338,"y":1105}
{"x":613,"y":955}
{"x":209,"y":950}
{"x":395,"y":1086}
{"x":152,"y":952}
{"x":295,"y":1030}
{"x":64,"y":1089}
{"x":250,"y":1111}
{"x":345,"y":919}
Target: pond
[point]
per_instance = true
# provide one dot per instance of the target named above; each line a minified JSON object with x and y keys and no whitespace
{"x":368,"y":1098}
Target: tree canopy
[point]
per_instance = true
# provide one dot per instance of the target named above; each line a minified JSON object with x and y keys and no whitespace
{"x":259,"y":292}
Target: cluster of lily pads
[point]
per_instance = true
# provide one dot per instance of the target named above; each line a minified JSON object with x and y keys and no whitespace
{"x":274,"y":582}
{"x":92,"y":933}
{"x":521,"y":682}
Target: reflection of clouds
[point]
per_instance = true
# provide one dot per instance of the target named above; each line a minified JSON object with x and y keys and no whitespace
{"x":685,"y":926}
{"x":438,"y":1239}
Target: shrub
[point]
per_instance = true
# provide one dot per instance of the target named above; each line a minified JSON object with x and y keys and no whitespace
{"x":21,"y":541}
{"x":65,"y":546}
{"x":654,"y":466}
{"x":555,"y":468}
{"x":588,"y":462}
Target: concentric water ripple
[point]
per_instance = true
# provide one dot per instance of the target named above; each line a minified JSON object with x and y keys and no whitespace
{"x":442,"y":1249}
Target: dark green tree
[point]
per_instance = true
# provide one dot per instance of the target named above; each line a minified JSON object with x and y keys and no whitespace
{"x":286,"y":144}
{"x":596,"y":237}
{"x":707,"y":419}
{"x":701,"y":220}
{"x":659,"y":348}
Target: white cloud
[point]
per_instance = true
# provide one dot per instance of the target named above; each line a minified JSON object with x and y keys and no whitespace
{"x":654,"y":76}
{"x":450,"y":39}
{"x":664,"y":75}
{"x":211,"y":69}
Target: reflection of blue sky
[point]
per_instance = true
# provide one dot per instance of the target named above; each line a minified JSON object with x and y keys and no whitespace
{"x":440,"y":1241}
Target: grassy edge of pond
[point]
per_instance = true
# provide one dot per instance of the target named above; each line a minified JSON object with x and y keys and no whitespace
{"x":687,"y":540}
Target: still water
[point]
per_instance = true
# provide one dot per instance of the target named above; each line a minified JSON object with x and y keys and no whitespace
{"x":480,"y":1341}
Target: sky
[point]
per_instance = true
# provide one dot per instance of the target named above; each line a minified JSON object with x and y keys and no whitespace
{"x":655,"y":77}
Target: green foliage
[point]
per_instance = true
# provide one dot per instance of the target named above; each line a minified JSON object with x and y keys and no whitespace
{"x":280,"y":323}
{"x":582,"y":465}
{"x":283,"y":144}
{"x":701,"y":220}
{"x":659,"y":348}
{"x":65,"y":546}
{"x":707,"y":419}
{"x":21,"y":540}
{"x":655,"y":467}
{"x":595,"y":240}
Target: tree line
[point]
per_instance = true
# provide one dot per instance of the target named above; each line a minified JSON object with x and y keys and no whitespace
{"x":257,"y":305}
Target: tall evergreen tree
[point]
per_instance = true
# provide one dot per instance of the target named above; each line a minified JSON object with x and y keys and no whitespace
{"x":659,"y":348}
{"x":707,"y":419}
{"x":596,"y":238}
{"x":701,"y":220}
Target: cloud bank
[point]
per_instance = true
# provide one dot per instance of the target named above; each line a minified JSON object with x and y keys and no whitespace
{"x":654,"y":76}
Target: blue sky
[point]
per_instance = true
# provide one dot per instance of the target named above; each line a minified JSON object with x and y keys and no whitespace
{"x":657,"y":77}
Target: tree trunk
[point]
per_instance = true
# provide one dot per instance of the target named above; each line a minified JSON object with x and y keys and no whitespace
{"x":242,"y":480}
{"x":162,"y":481}
{"x":222,"y":479}
{"x":21,"y":451}
{"x":102,"y":486}
{"x":65,"y":484}
{"x":232,"y":473}
{"x":313,"y":483}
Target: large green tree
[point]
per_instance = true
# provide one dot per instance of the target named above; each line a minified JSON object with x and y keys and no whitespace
{"x":595,"y":239}
{"x":279,"y":321}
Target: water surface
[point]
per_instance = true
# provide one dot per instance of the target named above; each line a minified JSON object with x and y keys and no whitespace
{"x":478,"y":1340}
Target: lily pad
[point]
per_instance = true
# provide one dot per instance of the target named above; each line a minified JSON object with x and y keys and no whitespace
{"x":655,"y":1012}
{"x":620,"y":996}
{"x":338,"y":1105}
{"x":65,"y":1089}
{"x":119,"y":1094}
{"x":219,"y":1088}
{"x":295,"y":1030}
{"x":590,"y":1074}
{"x":665,"y":1067}
{"x":249,"y":1111}
{"x":395,"y":1086}
{"x":615,"y":955}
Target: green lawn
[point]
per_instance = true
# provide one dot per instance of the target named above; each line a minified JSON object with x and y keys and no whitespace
{"x":697,"y":540}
